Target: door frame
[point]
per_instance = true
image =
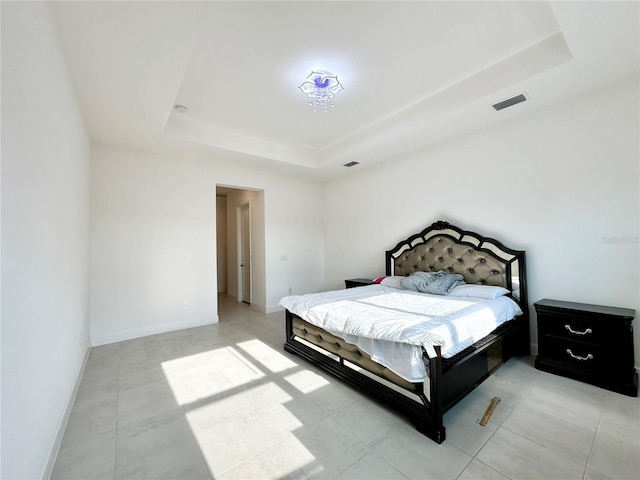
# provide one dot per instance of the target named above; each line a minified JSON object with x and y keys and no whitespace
{"x":240,"y":276}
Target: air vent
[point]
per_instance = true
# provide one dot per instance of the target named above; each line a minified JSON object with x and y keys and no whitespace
{"x":351,"y":164}
{"x":510,"y":101}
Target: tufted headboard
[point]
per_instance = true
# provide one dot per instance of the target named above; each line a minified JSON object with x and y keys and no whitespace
{"x":480,"y":260}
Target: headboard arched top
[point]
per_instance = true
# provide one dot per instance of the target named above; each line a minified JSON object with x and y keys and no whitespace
{"x":480,"y":260}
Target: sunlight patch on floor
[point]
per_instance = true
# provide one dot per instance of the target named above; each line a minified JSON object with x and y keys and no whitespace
{"x":208,"y":374}
{"x":267,"y":356}
{"x":248,"y":387}
{"x":306,"y":381}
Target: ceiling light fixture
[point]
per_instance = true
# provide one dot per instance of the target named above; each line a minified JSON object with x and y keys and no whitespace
{"x":320,"y":88}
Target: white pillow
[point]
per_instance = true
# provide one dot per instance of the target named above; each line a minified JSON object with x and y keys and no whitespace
{"x":487,"y":292}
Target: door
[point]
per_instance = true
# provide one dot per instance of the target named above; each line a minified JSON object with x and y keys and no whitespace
{"x":245,"y":254}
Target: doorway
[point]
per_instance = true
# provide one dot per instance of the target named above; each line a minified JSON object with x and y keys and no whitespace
{"x":241,"y":258}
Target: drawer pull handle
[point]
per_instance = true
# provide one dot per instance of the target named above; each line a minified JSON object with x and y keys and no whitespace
{"x":576,"y":332}
{"x":577,"y":357}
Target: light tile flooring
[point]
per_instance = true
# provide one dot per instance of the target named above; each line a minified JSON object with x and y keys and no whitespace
{"x":225,"y":401}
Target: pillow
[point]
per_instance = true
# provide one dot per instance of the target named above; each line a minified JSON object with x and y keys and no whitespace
{"x":393,"y":282}
{"x":487,"y":292}
{"x":436,"y":283}
{"x":379,"y":279}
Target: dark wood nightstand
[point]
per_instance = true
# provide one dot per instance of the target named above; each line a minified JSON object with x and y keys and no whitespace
{"x":590,"y":343}
{"x":358,"y":282}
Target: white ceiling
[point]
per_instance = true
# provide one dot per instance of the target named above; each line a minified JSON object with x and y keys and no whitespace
{"x":414,"y":73}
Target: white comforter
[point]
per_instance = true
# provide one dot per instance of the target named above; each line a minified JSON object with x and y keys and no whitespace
{"x":392,"y":325}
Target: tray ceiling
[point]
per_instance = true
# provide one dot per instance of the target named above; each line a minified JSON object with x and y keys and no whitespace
{"x":414,"y":73}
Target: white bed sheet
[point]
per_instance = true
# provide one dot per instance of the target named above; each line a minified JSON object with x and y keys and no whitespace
{"x":392,"y":325}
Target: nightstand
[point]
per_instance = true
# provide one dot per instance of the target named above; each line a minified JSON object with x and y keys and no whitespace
{"x":357,"y":282}
{"x":590,"y":343}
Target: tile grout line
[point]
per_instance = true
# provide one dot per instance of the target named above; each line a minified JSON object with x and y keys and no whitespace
{"x":249,"y":458}
{"x":595,"y":436}
{"x":115,"y":451}
{"x":165,"y":358}
{"x":519,"y":402}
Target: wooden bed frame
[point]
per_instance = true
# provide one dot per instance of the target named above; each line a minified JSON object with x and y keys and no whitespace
{"x":441,"y":246}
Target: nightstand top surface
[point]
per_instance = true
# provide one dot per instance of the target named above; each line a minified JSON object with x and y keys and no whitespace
{"x":586,"y":307}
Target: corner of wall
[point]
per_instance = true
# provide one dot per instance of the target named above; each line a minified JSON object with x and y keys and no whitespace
{"x":64,"y":420}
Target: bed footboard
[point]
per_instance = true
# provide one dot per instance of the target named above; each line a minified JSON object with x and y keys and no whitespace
{"x":423,"y":409}
{"x":450,"y":380}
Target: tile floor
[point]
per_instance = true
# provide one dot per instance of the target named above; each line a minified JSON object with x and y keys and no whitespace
{"x":225,"y":401}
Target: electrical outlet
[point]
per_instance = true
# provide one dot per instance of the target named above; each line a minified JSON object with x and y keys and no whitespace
{"x":186,"y":305}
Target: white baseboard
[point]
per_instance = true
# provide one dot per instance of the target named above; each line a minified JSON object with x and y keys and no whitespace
{"x":258,"y":308}
{"x":97,"y":340}
{"x":64,"y":420}
{"x":275,"y":308}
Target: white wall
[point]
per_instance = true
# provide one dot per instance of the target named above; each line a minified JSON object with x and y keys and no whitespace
{"x":153,"y":239}
{"x":45,"y":242}
{"x":152,"y":245}
{"x":294,"y":240}
{"x":561,"y":183}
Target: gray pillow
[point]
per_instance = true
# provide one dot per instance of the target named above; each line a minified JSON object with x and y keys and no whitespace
{"x":436,"y":283}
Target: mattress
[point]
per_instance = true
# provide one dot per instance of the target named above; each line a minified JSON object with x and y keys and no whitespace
{"x":394,"y":325}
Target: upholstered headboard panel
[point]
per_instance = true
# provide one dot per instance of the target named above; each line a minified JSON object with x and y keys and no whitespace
{"x":442,"y":252}
{"x":480,"y":260}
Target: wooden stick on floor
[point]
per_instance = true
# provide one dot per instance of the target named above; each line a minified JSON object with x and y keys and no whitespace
{"x":490,"y":408}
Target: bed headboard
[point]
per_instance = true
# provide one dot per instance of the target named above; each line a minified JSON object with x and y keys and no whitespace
{"x":480,"y":260}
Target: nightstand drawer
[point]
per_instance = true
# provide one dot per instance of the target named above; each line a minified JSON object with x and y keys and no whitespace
{"x":582,"y":328}
{"x":588,"y":358}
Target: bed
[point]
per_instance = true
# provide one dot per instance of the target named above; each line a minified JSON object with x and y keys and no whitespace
{"x":421,"y":374}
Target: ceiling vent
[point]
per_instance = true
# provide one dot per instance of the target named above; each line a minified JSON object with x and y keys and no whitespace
{"x":510,"y":101}
{"x":351,"y":164}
